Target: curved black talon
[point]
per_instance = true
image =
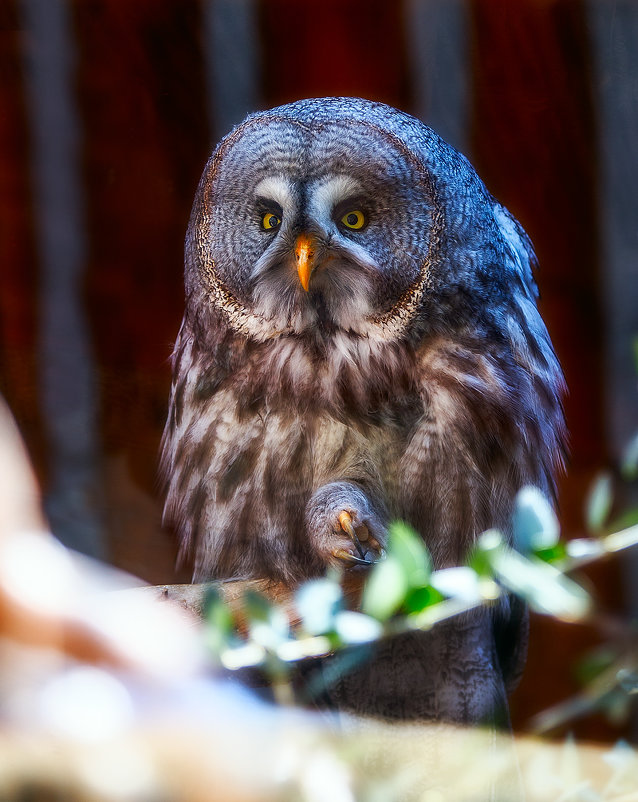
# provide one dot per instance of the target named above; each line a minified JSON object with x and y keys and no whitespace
{"x":344,"y":555}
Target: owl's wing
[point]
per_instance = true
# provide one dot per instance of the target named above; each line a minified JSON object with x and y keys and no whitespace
{"x":511,"y":619}
{"x":493,"y":422}
{"x":518,"y":246}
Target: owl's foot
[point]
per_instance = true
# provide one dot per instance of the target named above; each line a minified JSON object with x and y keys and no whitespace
{"x":344,"y":526}
{"x":367,"y":547}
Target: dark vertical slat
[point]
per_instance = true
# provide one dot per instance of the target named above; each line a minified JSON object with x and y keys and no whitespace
{"x":232,"y":51}
{"x":437,"y":39}
{"x":614,"y":38}
{"x":66,"y":371}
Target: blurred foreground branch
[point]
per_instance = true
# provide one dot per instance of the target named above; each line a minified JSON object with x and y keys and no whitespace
{"x":228,"y":761}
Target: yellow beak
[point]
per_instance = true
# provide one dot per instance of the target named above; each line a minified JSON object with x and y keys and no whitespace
{"x":304,"y":256}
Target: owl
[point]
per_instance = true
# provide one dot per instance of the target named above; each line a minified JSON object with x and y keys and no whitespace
{"x":361,"y":343}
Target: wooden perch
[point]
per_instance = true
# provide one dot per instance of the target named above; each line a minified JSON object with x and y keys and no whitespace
{"x":192,"y":597}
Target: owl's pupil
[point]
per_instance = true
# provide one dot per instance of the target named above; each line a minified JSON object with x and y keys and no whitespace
{"x":352,"y":219}
{"x":270,"y":221}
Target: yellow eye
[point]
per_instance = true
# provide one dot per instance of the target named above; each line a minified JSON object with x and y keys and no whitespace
{"x":354,"y":220}
{"x":270,"y":221}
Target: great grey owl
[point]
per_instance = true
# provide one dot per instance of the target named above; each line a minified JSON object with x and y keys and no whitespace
{"x":361,"y":343}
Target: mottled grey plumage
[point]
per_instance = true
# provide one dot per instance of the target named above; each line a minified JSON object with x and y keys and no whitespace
{"x":413,"y":379}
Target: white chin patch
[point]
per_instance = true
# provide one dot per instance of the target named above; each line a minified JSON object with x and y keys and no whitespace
{"x":277,"y":297}
{"x":347,"y":292}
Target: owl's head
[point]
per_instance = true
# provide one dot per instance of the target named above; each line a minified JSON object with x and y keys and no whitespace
{"x":339,"y":214}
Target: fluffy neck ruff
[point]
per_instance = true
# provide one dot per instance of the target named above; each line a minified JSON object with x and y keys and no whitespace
{"x":341,"y":373}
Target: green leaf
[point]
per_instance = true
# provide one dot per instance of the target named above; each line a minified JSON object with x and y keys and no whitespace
{"x":584,"y":548}
{"x":407,"y":547}
{"x":624,"y":521}
{"x":535,"y":523}
{"x":385,"y":590}
{"x":407,"y":566}
{"x":622,"y":539}
{"x":267,"y":623}
{"x":317,"y":602}
{"x":598,"y":503}
{"x":219,"y":619}
{"x":629,"y":464}
{"x":588,"y":668}
{"x":418,"y":599}
{"x":479,"y":558}
{"x":353,"y":628}
{"x":552,"y":555}
{"x":544,"y":587}
{"x":617,"y":706}
{"x":256,"y":606}
{"x":461,"y":582}
{"x":628,"y":680}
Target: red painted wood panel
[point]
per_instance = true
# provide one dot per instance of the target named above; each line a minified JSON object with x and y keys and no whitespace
{"x":331,"y":47}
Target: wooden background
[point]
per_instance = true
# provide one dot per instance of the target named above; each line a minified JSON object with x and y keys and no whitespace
{"x":108,"y":110}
